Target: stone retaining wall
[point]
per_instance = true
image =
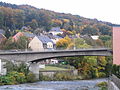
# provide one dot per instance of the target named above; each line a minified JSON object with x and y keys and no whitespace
{"x":52,"y":72}
{"x":114,"y":83}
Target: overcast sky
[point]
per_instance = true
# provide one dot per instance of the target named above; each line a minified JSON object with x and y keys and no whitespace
{"x":105,"y":10}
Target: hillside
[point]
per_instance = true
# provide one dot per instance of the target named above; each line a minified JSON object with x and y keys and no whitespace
{"x":14,"y":17}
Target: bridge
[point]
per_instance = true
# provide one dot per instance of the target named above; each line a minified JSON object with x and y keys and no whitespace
{"x":31,"y":56}
{"x":35,"y":57}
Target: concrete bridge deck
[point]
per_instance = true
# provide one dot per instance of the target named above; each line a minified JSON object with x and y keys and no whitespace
{"x":31,"y":56}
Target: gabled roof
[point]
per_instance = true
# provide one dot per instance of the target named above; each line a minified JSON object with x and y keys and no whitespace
{"x":56,"y":29}
{"x":29,"y":35}
{"x":2,"y":31}
{"x":26,"y":34}
{"x":53,"y":36}
{"x":44,"y":39}
{"x":57,"y":36}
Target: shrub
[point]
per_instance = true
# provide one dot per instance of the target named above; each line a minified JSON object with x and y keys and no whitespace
{"x":63,"y":76}
{"x":7,"y":80}
{"x":44,"y":78}
{"x":104,"y":88}
{"x":102,"y":84}
{"x":19,"y":77}
{"x":21,"y":67}
{"x":30,"y":77}
{"x":101,"y":74}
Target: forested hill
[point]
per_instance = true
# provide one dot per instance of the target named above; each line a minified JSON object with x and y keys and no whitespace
{"x":14,"y":17}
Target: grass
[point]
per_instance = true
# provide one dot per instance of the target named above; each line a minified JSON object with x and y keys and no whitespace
{"x":53,"y":68}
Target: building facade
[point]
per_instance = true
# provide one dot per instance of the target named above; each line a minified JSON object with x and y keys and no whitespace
{"x":116,"y":45}
{"x":40,"y":43}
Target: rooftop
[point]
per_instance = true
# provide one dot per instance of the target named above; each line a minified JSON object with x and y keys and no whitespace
{"x":30,"y":35}
{"x":44,"y":39}
{"x":2,"y":31}
{"x":56,"y":29}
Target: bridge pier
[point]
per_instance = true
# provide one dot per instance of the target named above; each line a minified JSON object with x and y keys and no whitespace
{"x":34,"y":68}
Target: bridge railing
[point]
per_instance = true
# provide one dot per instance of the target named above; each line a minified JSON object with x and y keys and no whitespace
{"x":58,"y":49}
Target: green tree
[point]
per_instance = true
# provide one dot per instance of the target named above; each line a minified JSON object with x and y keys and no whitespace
{"x":89,"y":30}
{"x":80,"y":43}
{"x":7,"y":33}
{"x":22,"y":42}
{"x":105,"y":30}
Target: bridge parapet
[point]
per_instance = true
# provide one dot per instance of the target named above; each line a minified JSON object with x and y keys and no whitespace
{"x":37,"y":56}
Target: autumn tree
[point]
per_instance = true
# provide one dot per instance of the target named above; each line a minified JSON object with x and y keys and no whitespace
{"x":56,"y":22}
{"x":21,"y":43}
{"x":63,"y":43}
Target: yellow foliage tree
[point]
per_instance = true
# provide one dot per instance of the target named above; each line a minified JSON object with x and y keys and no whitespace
{"x":57,"y":22}
{"x":66,"y":20}
{"x":64,"y":43}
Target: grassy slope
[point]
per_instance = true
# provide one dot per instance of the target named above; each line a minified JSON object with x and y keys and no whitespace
{"x":53,"y":68}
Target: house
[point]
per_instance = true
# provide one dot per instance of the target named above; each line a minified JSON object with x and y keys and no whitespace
{"x":55,"y":31}
{"x":25,"y":28}
{"x":53,"y":61}
{"x":2,"y":38}
{"x":54,"y":38}
{"x":95,"y":37}
{"x":40,"y":43}
{"x":30,"y":36}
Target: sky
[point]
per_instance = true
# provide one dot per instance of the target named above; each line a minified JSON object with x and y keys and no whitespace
{"x":104,"y":10}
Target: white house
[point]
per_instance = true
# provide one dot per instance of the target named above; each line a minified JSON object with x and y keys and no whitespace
{"x":55,"y":31}
{"x":95,"y":37}
{"x":53,"y":61}
{"x":40,"y":43}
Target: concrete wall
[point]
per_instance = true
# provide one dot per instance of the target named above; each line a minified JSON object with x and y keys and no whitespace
{"x":112,"y":86}
{"x":116,"y":80}
{"x":114,"y":83}
{"x":51,"y":73}
{"x":3,"y":71}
